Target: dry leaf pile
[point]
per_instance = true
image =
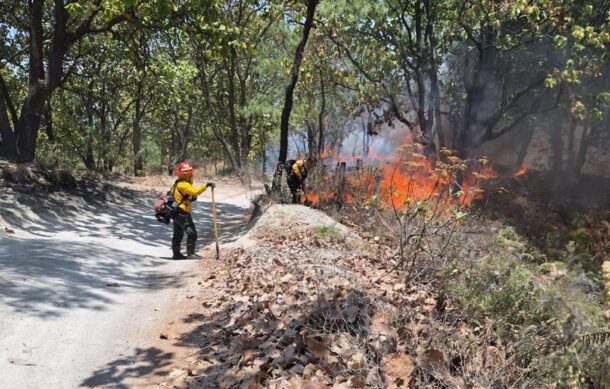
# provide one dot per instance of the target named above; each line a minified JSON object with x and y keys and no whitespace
{"x":292,"y":309}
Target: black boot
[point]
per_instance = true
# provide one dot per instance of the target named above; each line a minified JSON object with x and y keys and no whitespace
{"x":178,"y":255}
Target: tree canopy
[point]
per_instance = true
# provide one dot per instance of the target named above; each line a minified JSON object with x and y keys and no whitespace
{"x":135,"y":85}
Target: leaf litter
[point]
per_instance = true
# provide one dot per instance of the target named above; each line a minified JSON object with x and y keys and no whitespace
{"x":287,"y":308}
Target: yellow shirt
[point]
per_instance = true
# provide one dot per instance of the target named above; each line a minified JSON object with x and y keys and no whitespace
{"x":186,"y":189}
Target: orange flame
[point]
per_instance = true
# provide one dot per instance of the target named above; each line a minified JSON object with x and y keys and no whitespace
{"x":407,"y":177}
{"x":522,"y":170}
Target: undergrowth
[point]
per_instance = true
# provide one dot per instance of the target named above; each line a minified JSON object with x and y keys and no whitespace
{"x":543,"y":313}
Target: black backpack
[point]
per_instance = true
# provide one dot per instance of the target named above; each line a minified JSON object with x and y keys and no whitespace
{"x":288,"y":165}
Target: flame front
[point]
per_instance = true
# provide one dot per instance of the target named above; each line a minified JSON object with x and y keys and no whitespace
{"x":407,"y":178}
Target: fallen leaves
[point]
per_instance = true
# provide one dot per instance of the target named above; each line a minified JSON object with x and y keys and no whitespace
{"x":303,"y":313}
{"x":397,"y":369}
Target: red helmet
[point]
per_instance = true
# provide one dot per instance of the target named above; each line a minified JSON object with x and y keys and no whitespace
{"x":184,"y":169}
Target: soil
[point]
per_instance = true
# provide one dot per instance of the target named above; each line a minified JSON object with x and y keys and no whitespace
{"x":87,"y":284}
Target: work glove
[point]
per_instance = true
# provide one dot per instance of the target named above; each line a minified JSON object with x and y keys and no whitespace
{"x":211,"y":185}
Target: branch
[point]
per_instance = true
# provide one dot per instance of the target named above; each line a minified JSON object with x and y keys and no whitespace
{"x":499,"y":114}
{"x":36,"y":73}
{"x":85,"y":27}
{"x":493,"y":135}
{"x":121,"y":116}
{"x":394,"y":108}
{"x":366,"y":74}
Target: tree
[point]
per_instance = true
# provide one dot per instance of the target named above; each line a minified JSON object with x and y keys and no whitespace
{"x":294,"y":78}
{"x":70,"y":23}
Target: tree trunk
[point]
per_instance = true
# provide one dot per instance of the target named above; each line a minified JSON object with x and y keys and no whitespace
{"x":311,"y":138}
{"x":185,"y":135}
{"x":419,"y":76}
{"x":7,"y":139}
{"x":245,"y":124}
{"x":232,"y":115}
{"x":433,"y":75}
{"x":583,"y":149}
{"x":21,"y":147}
{"x":320,"y":149}
{"x":138,"y":162}
{"x":296,"y":66}
{"x":217,"y":133}
{"x":285,"y":119}
{"x":48,"y":121}
{"x":526,"y":140}
{"x":26,"y":131}
{"x":89,"y":159}
{"x":557,"y":148}
{"x":477,"y":70}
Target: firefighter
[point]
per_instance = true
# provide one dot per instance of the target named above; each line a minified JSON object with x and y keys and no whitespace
{"x":296,"y":175}
{"x":184,"y":194}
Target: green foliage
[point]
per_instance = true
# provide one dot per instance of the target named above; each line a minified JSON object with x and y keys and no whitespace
{"x":540,"y":311}
{"x":224,"y":64}
{"x":503,"y":291}
{"x":328,"y":232}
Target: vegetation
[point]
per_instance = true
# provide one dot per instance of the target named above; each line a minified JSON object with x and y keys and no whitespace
{"x":138,"y":86}
{"x":120,"y":83}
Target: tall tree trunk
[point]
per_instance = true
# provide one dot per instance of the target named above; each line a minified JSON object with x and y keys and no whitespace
{"x":217,"y":133}
{"x":138,"y":162}
{"x":41,"y":84}
{"x":433,"y":75}
{"x":477,"y":65}
{"x":185,"y":136}
{"x":419,"y":75}
{"x":583,"y":148}
{"x":285,"y":119}
{"x":7,"y":139}
{"x":246,"y":124}
{"x":89,"y":160}
{"x":555,"y":134}
{"x":232,"y":114}
{"x":296,"y":66}
{"x":321,"y":115}
{"x":526,"y":140}
{"x":26,"y":128}
{"x":311,"y":138}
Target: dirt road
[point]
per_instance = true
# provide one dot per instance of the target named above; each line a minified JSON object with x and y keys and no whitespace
{"x":83,"y":301}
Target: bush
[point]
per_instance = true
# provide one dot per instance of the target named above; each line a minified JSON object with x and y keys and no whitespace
{"x":542,"y":318}
{"x":328,"y":232}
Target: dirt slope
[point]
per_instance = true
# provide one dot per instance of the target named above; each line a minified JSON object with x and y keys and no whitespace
{"x":285,"y":308}
{"x":86,"y":284}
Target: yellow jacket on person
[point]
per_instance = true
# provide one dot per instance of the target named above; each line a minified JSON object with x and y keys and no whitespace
{"x":297,"y":167}
{"x":186,"y":189}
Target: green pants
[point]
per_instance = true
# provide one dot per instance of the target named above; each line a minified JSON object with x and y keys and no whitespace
{"x":183,"y":223}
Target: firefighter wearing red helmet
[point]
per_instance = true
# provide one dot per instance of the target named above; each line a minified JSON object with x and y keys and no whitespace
{"x":185,"y":193}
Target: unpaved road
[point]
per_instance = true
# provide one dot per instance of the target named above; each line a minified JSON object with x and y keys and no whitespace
{"x":83,"y":301}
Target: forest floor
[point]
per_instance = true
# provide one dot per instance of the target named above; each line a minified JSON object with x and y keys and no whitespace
{"x":305,"y":300}
{"x":87,"y":283}
{"x":300,"y":299}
